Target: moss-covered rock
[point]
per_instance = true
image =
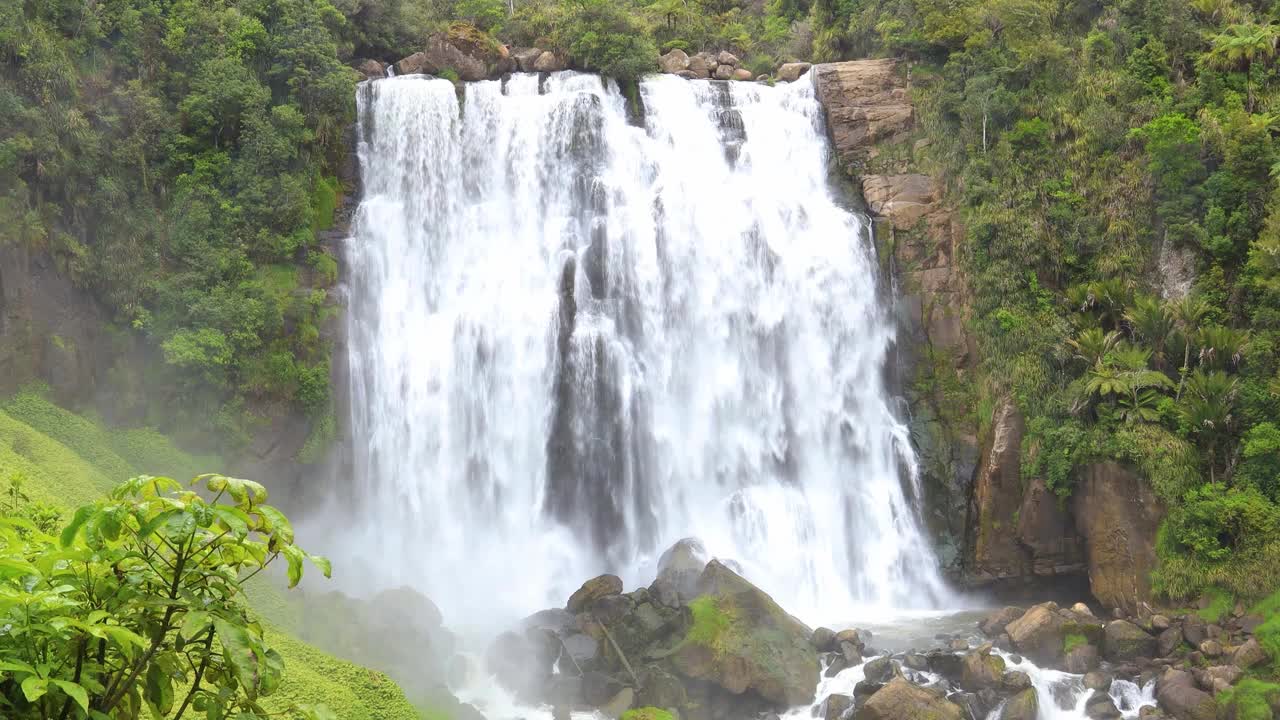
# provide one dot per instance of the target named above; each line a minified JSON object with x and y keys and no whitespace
{"x":740,"y":639}
{"x":1126,"y":641}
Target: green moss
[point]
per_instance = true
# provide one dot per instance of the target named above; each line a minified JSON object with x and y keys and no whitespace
{"x":1249,"y":700}
{"x":1072,"y":641}
{"x":323,"y":433}
{"x":351,"y":691}
{"x":1268,"y":633}
{"x":712,"y":621}
{"x":647,"y":713}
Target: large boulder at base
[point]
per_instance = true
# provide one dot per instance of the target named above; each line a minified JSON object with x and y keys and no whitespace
{"x":742,"y":75}
{"x":593,"y":590}
{"x":981,"y":670}
{"x":1081,"y":659}
{"x":1117,"y":515}
{"x":1023,"y":706}
{"x":550,"y":62}
{"x":791,"y":72}
{"x":674,"y":61}
{"x":1039,"y":633}
{"x":723,"y":72}
{"x":1101,"y":707}
{"x":742,"y":640}
{"x":1177,"y":695}
{"x":682,"y":565}
{"x":1126,"y":641}
{"x":995,"y":623}
{"x":900,"y":700}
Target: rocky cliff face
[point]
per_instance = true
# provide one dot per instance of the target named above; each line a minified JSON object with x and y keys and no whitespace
{"x":51,"y":331}
{"x":994,"y":526}
{"x":872,"y":125}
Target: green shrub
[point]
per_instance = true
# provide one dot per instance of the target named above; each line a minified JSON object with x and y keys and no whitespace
{"x":647,"y":713}
{"x":1215,"y":523}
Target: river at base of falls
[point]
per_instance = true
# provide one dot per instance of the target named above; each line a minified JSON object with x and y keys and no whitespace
{"x":1060,"y":695}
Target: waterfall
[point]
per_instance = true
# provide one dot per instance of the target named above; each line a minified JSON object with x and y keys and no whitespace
{"x":576,"y":338}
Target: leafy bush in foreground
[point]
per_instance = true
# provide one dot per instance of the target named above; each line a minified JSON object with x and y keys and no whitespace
{"x":137,"y":605}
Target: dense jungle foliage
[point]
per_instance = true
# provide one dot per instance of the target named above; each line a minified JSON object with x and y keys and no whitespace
{"x":178,"y":158}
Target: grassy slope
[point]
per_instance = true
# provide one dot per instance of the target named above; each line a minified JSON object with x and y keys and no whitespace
{"x":67,"y":460}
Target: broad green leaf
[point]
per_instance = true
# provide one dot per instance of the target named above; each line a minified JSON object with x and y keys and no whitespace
{"x":294,"y":555}
{"x":275,"y":523}
{"x":12,"y":567}
{"x":124,"y":638}
{"x":35,"y":687}
{"x":322,"y":562}
{"x":195,"y":623}
{"x":155,"y":522}
{"x":16,"y":666}
{"x":77,"y":521}
{"x":76,"y":692}
{"x":158,"y":690}
{"x":238,"y":647}
{"x":236,"y":520}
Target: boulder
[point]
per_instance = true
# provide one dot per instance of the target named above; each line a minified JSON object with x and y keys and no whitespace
{"x":1126,"y":641}
{"x":727,"y":58}
{"x":981,"y":670}
{"x":834,"y":706}
{"x":1177,"y":695}
{"x":723,"y":72}
{"x":1101,"y":707}
{"x":824,"y":639}
{"x":682,"y":565}
{"x":525,"y":58}
{"x":1098,"y":682}
{"x":742,"y":640}
{"x":550,"y":62}
{"x":1015,"y":681}
{"x":660,"y":688}
{"x":852,"y":656}
{"x":1168,"y":641}
{"x":1211,"y":648}
{"x":791,"y":72}
{"x":1038,"y":634}
{"x":372,"y":69}
{"x":1194,"y":630}
{"x":675,"y":61}
{"x":620,"y":703}
{"x":900,"y":700}
{"x":1081,"y":659}
{"x":1118,"y":514}
{"x":1249,"y":654}
{"x":593,"y":590}
{"x":1023,"y":706}
{"x":916,"y":661}
{"x":995,"y":623}
{"x":879,"y":670}
{"x":742,"y":74}
{"x":701,"y":66}
{"x":462,"y":50}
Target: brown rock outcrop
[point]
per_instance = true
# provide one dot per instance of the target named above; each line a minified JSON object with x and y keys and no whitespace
{"x":1048,"y":532}
{"x":867,"y":104}
{"x":1117,"y":515}
{"x":996,"y":498}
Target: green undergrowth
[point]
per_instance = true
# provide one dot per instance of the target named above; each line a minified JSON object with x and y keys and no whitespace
{"x":647,"y":713}
{"x":1251,"y":699}
{"x":1268,"y":633}
{"x":1220,"y":603}
{"x":64,"y":460}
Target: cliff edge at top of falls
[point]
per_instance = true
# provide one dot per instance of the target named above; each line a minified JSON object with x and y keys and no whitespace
{"x":992,"y":526}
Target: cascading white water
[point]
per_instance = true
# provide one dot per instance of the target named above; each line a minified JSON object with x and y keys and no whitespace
{"x":574,"y":340}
